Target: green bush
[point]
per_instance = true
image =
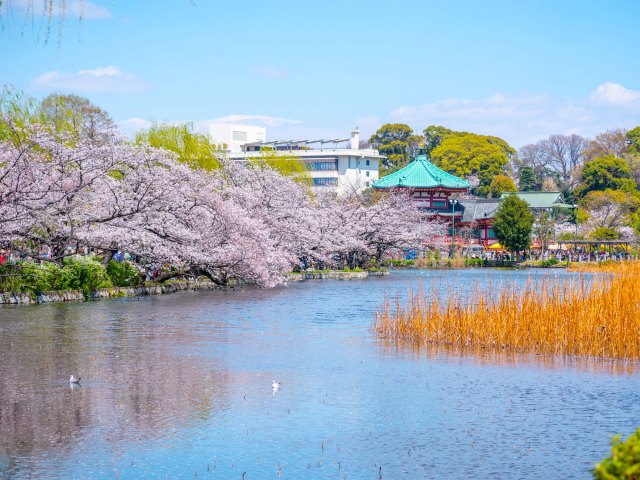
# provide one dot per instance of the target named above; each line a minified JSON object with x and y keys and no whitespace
{"x":550,"y":262}
{"x":123,"y":274}
{"x":76,"y":273}
{"x":399,"y":263}
{"x":475,"y":262}
{"x":82,"y":273}
{"x":10,"y":278}
{"x":624,"y":462}
{"x":40,"y":277}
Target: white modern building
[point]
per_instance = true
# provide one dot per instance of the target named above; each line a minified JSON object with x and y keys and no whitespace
{"x":235,"y":135}
{"x":348,"y":169}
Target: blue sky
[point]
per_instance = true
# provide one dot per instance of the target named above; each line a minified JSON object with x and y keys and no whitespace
{"x":521,"y":70}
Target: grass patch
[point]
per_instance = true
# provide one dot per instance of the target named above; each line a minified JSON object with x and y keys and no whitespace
{"x":399,"y":263}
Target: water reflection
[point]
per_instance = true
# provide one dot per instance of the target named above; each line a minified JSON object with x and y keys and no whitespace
{"x":135,"y":385}
{"x":417,"y":350}
{"x":182,"y":384}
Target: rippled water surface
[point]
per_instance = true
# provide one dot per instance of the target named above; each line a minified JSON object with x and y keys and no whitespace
{"x":179,"y":386}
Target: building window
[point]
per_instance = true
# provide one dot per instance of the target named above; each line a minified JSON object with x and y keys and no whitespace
{"x":366,"y":184}
{"x":438,"y":204}
{"x":367,"y":163}
{"x":239,"y":136}
{"x":325,"y":182}
{"x":322,"y":166}
{"x":367,"y":172}
{"x":490,"y":233}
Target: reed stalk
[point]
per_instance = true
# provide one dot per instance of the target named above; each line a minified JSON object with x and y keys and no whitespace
{"x":598,"y":316}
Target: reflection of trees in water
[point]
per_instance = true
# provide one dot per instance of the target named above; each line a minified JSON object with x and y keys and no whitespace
{"x":137,"y":383}
{"x":479,"y":356}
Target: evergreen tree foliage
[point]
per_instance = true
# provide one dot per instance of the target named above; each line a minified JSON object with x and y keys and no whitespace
{"x":433,"y":136}
{"x":467,"y":154}
{"x":398,"y":143}
{"x":606,"y":173}
{"x":501,"y":184}
{"x":527,"y":179}
{"x":624,"y":462}
{"x":513,"y":223}
{"x":633,"y":140}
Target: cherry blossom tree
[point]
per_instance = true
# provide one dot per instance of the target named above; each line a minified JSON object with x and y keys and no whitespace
{"x":139,"y":199}
{"x":240,"y":222}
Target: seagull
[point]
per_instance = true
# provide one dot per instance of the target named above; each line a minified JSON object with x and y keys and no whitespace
{"x":275,"y":385}
{"x":73,"y":379}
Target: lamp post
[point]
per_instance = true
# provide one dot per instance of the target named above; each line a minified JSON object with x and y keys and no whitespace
{"x":454,"y":202}
{"x":575,"y":217}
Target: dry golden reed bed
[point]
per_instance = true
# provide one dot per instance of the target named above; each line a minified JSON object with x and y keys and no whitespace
{"x":599,"y":317}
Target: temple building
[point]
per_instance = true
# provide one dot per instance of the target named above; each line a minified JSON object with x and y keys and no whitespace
{"x":541,"y":201}
{"x":430,"y":187}
{"x":471,"y":218}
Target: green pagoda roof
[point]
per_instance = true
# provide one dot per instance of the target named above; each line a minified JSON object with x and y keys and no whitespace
{"x":421,"y":173}
{"x":541,"y":199}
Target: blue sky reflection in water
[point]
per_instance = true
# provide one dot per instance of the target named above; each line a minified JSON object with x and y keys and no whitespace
{"x":180,"y":384}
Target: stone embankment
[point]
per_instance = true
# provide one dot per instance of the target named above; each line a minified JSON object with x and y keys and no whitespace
{"x":60,"y":296}
{"x":335,"y":275}
{"x":114,"y":292}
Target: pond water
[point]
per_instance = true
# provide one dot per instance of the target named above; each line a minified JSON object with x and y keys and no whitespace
{"x":179,"y":386}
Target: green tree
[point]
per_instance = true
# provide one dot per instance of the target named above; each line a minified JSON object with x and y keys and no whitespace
{"x":513,"y":223}
{"x":624,"y":462}
{"x":467,"y":154}
{"x":633,"y":140}
{"x":527,"y":179}
{"x":605,"y":173}
{"x":398,"y":143}
{"x":76,"y":118}
{"x":433,"y":136}
{"x":195,"y":149}
{"x":70,"y":117}
{"x":501,"y":184}
{"x":605,"y":233}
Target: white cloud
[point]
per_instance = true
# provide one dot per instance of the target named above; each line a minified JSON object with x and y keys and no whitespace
{"x":527,"y":118}
{"x":495,"y":107}
{"x":101,"y":79}
{"x":270,"y":71}
{"x":69,"y":8}
{"x":132,"y":125}
{"x":265,"y":120}
{"x":615,"y":94}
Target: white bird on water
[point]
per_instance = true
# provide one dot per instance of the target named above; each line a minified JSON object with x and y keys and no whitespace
{"x":275,"y":385}
{"x":74,"y":379}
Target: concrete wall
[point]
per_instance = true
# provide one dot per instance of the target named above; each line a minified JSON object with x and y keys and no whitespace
{"x":355,"y":174}
{"x":226,"y":133}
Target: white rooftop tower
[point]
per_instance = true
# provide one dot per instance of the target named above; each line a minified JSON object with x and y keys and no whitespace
{"x":355,"y":139}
